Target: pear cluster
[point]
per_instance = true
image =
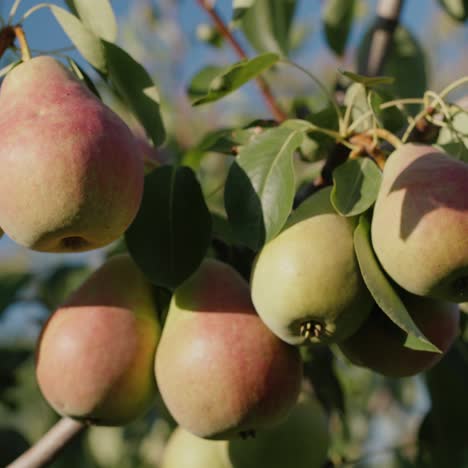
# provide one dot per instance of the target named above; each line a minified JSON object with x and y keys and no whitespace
{"x":307,"y":284}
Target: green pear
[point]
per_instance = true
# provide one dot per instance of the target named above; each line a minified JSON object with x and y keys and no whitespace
{"x":184,"y":450}
{"x":72,"y":176}
{"x":220,"y":370}
{"x":95,"y":355}
{"x":379,"y":343}
{"x":420,"y":223}
{"x":306,"y":283}
{"x":302,"y":441}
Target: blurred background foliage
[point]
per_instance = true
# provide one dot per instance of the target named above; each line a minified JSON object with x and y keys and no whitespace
{"x":375,"y":421}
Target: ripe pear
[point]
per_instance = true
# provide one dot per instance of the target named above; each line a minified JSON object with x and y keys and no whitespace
{"x":220,"y":370}
{"x":72,"y":176}
{"x":95,"y":355}
{"x":420,"y":223}
{"x":306,"y":283}
{"x":379,"y":343}
{"x":302,"y":441}
{"x":184,"y":450}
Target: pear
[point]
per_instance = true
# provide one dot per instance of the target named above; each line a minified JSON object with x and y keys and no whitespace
{"x":302,"y":441}
{"x":379,"y":343}
{"x":72,"y":176}
{"x":184,"y":450}
{"x":95,"y":355}
{"x":306,"y":283}
{"x":220,"y":370}
{"x":420,"y":223}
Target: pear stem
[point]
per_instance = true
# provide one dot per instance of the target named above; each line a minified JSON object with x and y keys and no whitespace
{"x":21,"y":36}
{"x":49,"y":446}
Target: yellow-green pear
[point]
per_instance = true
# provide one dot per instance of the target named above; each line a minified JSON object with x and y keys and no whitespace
{"x":95,"y":355}
{"x":184,"y":450}
{"x":420,"y":222}
{"x":221,"y":372}
{"x":302,"y":441}
{"x":306,"y":284}
{"x":72,"y":175}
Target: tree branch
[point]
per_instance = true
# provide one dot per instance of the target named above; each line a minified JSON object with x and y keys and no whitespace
{"x":278,"y":113}
{"x":50,"y":445}
{"x":388,"y":14}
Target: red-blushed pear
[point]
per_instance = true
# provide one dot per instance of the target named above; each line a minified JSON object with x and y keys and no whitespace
{"x":95,"y":355}
{"x":379,"y":343}
{"x":301,"y":441}
{"x":185,"y":450}
{"x":220,"y":370}
{"x":72,"y":176}
{"x":306,"y":283}
{"x":420,"y":222}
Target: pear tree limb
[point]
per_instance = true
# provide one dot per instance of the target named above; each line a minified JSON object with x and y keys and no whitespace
{"x":267,"y":94}
{"x":388,"y":14}
{"x":50,"y":445}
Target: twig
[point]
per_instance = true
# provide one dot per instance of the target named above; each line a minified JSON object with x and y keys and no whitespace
{"x":49,"y":446}
{"x":388,"y":13}
{"x":275,"y":109}
{"x":7,"y":38}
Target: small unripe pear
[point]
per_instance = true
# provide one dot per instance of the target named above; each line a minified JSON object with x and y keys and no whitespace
{"x":220,"y":370}
{"x":306,"y":283}
{"x":72,"y":176}
{"x":420,"y":222}
{"x":184,"y":450}
{"x":95,"y":355}
{"x":302,"y":441}
{"x":379,"y":343}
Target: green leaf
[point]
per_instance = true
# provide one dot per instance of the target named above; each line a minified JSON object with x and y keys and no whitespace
{"x":260,"y":187}
{"x":356,"y":97}
{"x":337,"y":20}
{"x":133,"y":83}
{"x":382,"y":291}
{"x":172,"y":230}
{"x":82,"y":76}
{"x":235,"y":76}
{"x":267,"y":25}
{"x":454,"y":137}
{"x":97,"y":16}
{"x":368,"y":81}
{"x":457,"y":9}
{"x":239,"y":7}
{"x":89,"y":45}
{"x":355,"y":186}
{"x":10,"y":284}
{"x":200,"y":83}
{"x":406,"y":63}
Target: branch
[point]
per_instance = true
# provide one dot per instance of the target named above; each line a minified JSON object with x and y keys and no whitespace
{"x":270,"y":100}
{"x":388,"y":14}
{"x":50,"y":445}
{"x":7,"y":38}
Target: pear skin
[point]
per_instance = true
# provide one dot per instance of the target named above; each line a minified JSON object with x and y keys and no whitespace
{"x":220,"y":370}
{"x":306,"y":283}
{"x":95,"y":355}
{"x":379,"y":343}
{"x":184,"y":450}
{"x":302,"y":441}
{"x":420,"y":222}
{"x":72,"y":176}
